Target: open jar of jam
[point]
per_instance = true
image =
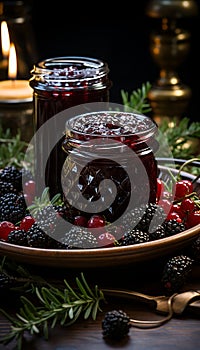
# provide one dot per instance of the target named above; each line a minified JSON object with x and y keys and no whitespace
{"x":110,"y":165}
{"x":58,"y":84}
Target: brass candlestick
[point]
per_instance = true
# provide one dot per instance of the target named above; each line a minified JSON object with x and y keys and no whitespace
{"x":169,"y":46}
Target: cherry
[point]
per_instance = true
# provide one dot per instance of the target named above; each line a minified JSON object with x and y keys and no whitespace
{"x":5,"y":228}
{"x":26,"y":223}
{"x":96,"y":221}
{"x":106,"y":239}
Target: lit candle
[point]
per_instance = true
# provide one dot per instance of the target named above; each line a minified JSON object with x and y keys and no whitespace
{"x":14,"y":90}
{"x":16,"y":101}
{"x":5,"y":45}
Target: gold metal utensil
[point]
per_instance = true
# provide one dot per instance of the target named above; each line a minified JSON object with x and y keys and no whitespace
{"x":174,"y":304}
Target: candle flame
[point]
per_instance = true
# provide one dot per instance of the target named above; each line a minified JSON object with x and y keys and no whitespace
{"x":12,"y":62}
{"x":5,"y":39}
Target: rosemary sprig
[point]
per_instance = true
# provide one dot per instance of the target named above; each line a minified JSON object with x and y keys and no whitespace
{"x":54,"y":305}
{"x":180,"y":136}
{"x":137,"y":100}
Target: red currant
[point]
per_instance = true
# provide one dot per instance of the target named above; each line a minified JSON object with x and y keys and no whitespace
{"x":189,"y":184}
{"x":187,"y":206}
{"x":174,"y":216}
{"x":5,"y":228}
{"x":96,"y":221}
{"x":80,"y":220}
{"x":26,"y":223}
{"x":181,"y":189}
{"x":193,"y":219}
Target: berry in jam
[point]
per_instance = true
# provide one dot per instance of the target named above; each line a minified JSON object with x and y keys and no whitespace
{"x":105,"y":146}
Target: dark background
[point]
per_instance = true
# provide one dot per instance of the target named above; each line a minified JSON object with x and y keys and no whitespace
{"x":119,"y":35}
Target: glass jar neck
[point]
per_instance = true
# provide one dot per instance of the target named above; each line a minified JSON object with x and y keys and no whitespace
{"x":70,"y":72}
{"x":110,"y":133}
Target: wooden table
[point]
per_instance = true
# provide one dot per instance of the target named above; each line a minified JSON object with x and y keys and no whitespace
{"x":181,"y":332}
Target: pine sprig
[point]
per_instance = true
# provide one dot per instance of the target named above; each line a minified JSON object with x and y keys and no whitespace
{"x":54,"y":306}
{"x":137,"y":100}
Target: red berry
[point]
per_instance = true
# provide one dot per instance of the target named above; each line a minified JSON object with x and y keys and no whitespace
{"x":96,"y":221}
{"x":181,"y":189}
{"x":189,"y":184}
{"x":106,"y":239}
{"x":174,"y":216}
{"x":5,"y":228}
{"x":193,"y":219}
{"x":177,"y":209}
{"x":80,"y":220}
{"x":26,"y":223}
{"x":187,"y":206}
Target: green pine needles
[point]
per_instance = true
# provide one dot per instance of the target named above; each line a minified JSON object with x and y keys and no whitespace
{"x":53,"y":306}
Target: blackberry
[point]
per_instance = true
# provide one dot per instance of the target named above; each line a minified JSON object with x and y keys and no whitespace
{"x":131,"y":219}
{"x":46,"y":219}
{"x":78,"y":237}
{"x":37,"y":238}
{"x":173,"y":227}
{"x":115,"y":325}
{"x":52,"y":221}
{"x":134,"y":236}
{"x":18,"y":237}
{"x":12,"y":175}
{"x":12,"y":208}
{"x":175,"y":273}
{"x":6,"y":187}
{"x":153,"y":215}
{"x":159,"y":233}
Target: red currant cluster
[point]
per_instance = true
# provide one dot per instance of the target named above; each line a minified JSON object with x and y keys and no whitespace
{"x":181,"y":204}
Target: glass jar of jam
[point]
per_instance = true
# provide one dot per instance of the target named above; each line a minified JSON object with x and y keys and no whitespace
{"x":58,"y":84}
{"x":110,"y":165}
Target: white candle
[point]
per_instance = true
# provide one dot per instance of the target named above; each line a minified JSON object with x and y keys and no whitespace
{"x":15,"y":91}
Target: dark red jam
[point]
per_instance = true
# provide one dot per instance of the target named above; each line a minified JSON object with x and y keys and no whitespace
{"x":115,"y":146}
{"x":58,"y":84}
